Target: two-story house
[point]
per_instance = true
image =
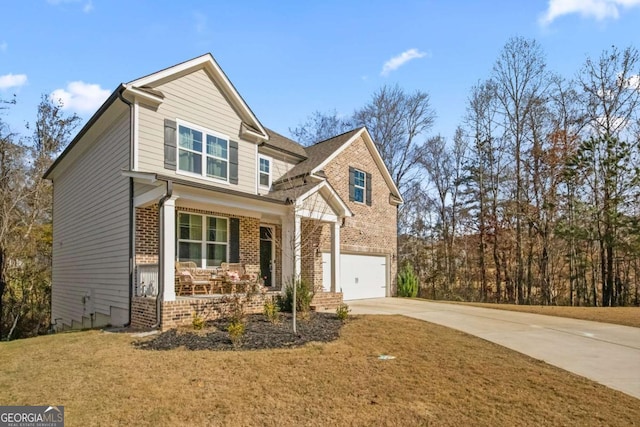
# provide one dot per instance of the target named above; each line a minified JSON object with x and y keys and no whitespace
{"x":175,"y":167}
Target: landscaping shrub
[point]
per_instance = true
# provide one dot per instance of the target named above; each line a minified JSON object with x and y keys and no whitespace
{"x":407,"y":282}
{"x":197,"y":321}
{"x":343,"y":312}
{"x":271,"y":311}
{"x":236,"y":330}
{"x":304,"y":295}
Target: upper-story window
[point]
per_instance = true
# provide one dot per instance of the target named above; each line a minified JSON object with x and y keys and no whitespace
{"x":202,"y":152}
{"x":264,"y":171}
{"x":359,"y":186}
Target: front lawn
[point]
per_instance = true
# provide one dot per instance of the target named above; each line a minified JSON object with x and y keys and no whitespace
{"x":439,"y":377}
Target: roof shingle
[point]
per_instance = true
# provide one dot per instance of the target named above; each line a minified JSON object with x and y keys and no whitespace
{"x":318,"y":153}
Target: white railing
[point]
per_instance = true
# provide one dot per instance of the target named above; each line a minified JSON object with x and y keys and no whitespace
{"x":147,"y":280}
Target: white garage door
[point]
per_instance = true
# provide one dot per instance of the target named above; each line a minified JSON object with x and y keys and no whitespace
{"x":361,"y":276}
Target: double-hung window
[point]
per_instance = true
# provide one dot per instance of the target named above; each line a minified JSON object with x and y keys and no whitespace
{"x":203,"y":152}
{"x":359,"y":185}
{"x":264,"y":171}
{"x":202,"y":239}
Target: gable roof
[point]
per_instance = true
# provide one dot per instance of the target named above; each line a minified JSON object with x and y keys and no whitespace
{"x":252,"y":126}
{"x":299,"y":193}
{"x":317,"y":154}
{"x":321,"y":153}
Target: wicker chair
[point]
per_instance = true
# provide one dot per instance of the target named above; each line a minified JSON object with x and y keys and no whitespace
{"x":191,"y":279}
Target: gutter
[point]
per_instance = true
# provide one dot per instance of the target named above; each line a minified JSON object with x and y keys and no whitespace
{"x":161,"y":260}
{"x":290,"y":153}
{"x":131,"y":249}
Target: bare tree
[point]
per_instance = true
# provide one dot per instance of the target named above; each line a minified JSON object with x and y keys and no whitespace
{"x":25,"y":229}
{"x":521,"y":81}
{"x":398,"y":123}
{"x":609,"y":160}
{"x":320,"y":126}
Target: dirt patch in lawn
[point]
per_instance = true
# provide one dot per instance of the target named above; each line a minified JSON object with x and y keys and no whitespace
{"x":627,"y":316}
{"x":259,"y":334}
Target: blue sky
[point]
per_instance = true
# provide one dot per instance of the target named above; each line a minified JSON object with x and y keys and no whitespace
{"x":290,"y":58}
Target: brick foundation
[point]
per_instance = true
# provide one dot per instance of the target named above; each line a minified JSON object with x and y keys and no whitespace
{"x":326,"y":300}
{"x":180,"y":312}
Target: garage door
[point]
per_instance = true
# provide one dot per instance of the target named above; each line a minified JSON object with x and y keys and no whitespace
{"x":361,"y":276}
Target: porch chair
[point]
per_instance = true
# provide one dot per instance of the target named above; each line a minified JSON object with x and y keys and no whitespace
{"x":192,"y":279}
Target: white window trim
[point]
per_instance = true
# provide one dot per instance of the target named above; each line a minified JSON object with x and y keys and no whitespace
{"x":270,"y":160}
{"x":204,"y":242}
{"x":203,"y":154}
{"x":364,"y":188}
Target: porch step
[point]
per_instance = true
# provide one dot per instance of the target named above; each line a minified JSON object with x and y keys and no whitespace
{"x":326,"y":301}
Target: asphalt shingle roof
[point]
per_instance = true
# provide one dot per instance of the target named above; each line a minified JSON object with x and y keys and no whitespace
{"x":281,"y":142}
{"x":318,"y":153}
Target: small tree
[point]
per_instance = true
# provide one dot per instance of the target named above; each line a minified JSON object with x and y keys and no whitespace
{"x":407,"y":282}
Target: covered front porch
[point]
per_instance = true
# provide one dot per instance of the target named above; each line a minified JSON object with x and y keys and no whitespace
{"x":233,"y":244}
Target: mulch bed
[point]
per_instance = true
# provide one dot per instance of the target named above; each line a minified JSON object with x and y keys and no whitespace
{"x":260,"y":334}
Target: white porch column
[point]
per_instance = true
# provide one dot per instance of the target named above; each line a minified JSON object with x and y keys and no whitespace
{"x":297,"y":249}
{"x":335,"y":257}
{"x":287,"y":249}
{"x":168,"y":248}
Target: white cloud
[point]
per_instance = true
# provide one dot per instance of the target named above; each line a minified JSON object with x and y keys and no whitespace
{"x":597,"y":9}
{"x":399,"y":60}
{"x":86,"y":7}
{"x":633,"y":82}
{"x":12,"y":80}
{"x":200,"y":22}
{"x":3,"y":46}
{"x":80,"y":96}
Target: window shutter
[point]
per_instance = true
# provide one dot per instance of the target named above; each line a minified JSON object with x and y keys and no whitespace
{"x":352,"y":188}
{"x":170,"y":142}
{"x":233,"y":162}
{"x":368,"y":187}
{"x":234,"y":239}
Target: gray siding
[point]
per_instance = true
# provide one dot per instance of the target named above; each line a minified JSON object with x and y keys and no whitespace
{"x":91,"y":232}
{"x":196,"y":99}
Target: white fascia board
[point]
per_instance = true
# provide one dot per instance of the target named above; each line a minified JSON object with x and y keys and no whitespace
{"x":319,"y":216}
{"x":376,"y":157}
{"x":137,"y":95}
{"x":337,"y":152}
{"x":329,"y":195}
{"x":144,"y":177}
{"x":229,"y":203}
{"x":333,"y":198}
{"x":149,"y":198}
{"x":208,"y":63}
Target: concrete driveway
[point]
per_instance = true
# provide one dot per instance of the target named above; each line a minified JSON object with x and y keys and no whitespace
{"x":605,"y":353}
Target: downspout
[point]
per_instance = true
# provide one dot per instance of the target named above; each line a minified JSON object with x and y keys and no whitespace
{"x":131,"y":249}
{"x":161,"y":260}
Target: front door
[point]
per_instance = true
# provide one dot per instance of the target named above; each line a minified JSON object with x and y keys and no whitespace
{"x":266,"y":255}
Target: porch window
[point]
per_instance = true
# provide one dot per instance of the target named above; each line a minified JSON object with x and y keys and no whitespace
{"x":202,"y":239}
{"x":264,"y":171}
{"x":202,"y":152}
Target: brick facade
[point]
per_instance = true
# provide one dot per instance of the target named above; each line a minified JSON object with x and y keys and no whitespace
{"x":180,"y":312}
{"x":372,"y":229}
{"x":311,"y":258}
{"x":146,"y":251}
{"x":146,"y":246}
